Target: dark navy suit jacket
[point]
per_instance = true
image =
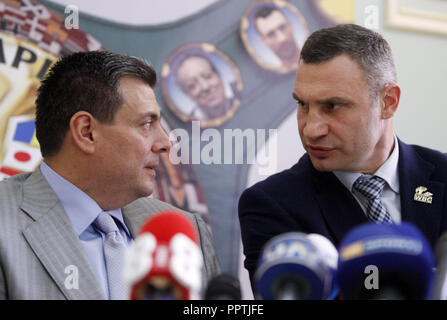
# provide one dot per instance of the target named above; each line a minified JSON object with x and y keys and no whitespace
{"x":306,"y":200}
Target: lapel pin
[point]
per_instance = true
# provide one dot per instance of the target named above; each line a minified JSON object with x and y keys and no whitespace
{"x":422,"y":195}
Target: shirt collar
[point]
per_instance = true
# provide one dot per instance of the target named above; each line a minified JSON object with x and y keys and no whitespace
{"x":80,"y":208}
{"x":387,"y":171}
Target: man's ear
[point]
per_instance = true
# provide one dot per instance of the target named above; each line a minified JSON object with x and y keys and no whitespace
{"x":82,"y":125}
{"x":389,"y":100}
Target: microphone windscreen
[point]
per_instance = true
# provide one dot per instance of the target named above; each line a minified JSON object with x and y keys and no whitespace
{"x":329,"y":254}
{"x":440,"y":286}
{"x":441,"y":248}
{"x":164,"y":225}
{"x":165,"y":260}
{"x":400,"y":253}
{"x":291,"y":261}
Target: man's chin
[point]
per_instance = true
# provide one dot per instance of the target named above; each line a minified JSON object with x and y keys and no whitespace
{"x":323,"y":165}
{"x":289,"y":54}
{"x":145,"y":191}
{"x":213,"y":104}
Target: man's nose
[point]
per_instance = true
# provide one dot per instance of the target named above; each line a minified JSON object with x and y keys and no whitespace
{"x":204,"y":85}
{"x":161,"y":141}
{"x":315,"y":125}
{"x":280,"y":36}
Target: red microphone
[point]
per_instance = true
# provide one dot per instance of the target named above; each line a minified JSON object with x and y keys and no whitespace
{"x":165,"y":261}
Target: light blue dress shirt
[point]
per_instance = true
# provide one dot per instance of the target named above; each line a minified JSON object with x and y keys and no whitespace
{"x":82,"y":212}
{"x":388,"y":172}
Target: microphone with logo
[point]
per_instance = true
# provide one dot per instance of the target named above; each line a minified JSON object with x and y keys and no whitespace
{"x":329,"y":254}
{"x":385,"y":262}
{"x":292,"y":267}
{"x":164,"y":262}
{"x":440,"y":287}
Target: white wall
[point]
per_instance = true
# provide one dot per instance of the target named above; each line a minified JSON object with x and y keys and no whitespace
{"x":422,"y":75}
{"x":139,"y":12}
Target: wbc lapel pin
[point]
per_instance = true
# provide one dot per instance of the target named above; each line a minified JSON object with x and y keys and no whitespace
{"x":422,"y":195}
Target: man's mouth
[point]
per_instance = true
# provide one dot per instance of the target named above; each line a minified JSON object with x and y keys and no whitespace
{"x":319,"y":151}
{"x":152,"y":165}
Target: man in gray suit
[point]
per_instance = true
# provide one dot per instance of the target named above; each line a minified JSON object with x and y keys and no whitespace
{"x":98,"y":125}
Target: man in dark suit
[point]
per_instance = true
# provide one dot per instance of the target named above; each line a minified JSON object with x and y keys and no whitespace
{"x":355,"y":169}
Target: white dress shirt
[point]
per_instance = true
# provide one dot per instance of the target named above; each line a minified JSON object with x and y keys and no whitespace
{"x":388,"y":172}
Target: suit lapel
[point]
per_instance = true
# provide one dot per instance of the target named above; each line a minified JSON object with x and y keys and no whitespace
{"x":55,"y":243}
{"x":413,"y":173}
{"x":137,"y":212}
{"x":134,"y":216}
{"x":342,"y":212}
{"x":339,"y":208}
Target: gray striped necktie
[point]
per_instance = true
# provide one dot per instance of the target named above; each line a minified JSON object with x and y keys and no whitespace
{"x":371,"y":187}
{"x":114,"y":250}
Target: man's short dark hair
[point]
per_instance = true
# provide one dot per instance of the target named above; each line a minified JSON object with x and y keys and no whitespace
{"x":368,"y":48}
{"x":83,"y":81}
{"x":264,"y":12}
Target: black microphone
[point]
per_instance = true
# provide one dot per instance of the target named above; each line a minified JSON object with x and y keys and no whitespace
{"x":223,"y":287}
{"x":440,"y":289}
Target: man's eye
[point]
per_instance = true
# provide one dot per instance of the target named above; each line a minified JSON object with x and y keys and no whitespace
{"x":147,"y":124}
{"x":301,"y":104}
{"x":207,"y":75}
{"x":190,"y":87}
{"x":334,"y":106}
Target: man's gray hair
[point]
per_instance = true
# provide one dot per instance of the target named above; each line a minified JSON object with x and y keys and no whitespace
{"x":368,"y":48}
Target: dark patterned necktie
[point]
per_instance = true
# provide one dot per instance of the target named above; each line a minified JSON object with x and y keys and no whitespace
{"x":371,"y":187}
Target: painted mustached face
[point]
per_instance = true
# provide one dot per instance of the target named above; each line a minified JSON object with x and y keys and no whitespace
{"x":201,"y":82}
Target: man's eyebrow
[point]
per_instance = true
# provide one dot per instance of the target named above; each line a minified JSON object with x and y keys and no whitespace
{"x":334,"y":100}
{"x":151,"y":115}
{"x":323,"y":101}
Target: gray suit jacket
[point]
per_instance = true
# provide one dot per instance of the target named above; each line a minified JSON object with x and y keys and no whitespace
{"x":38,"y":242}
